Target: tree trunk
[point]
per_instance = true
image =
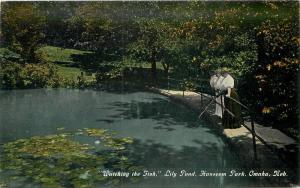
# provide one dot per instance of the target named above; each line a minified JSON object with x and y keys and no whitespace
{"x":153,"y":70}
{"x":32,"y":56}
{"x":166,"y":68}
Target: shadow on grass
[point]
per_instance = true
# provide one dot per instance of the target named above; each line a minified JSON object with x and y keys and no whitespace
{"x":65,"y":63}
{"x":87,"y":61}
{"x":101,"y":63}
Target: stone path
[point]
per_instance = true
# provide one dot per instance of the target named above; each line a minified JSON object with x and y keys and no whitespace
{"x":241,"y":138}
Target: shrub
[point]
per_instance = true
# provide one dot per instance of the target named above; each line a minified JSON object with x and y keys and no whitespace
{"x":39,"y":76}
{"x":114,"y":74}
{"x":7,"y":55}
{"x":29,"y":76}
{"x":10,"y":75}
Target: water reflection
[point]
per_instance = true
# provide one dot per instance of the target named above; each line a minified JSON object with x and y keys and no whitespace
{"x":165,"y":135}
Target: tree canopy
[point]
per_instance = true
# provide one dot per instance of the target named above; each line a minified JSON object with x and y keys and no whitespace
{"x":258,"y":42}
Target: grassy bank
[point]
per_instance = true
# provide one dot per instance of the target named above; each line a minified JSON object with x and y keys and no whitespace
{"x":64,"y":59}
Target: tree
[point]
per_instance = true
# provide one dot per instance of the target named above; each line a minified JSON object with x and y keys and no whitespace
{"x":276,"y":72}
{"x":22,"y":27}
{"x":146,"y":47}
{"x":95,"y":25}
{"x":57,"y":17}
{"x":155,"y":43}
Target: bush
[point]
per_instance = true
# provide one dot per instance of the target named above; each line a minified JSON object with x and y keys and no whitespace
{"x":111,"y":75}
{"x":35,"y":76}
{"x":10,"y":75}
{"x":41,"y":56}
{"x":7,"y":55}
{"x":29,"y":76}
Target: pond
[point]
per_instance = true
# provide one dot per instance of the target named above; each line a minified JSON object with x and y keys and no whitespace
{"x":69,"y":138}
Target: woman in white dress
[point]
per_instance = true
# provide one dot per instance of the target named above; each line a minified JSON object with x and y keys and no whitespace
{"x":220,"y":99}
{"x":227,"y":86}
{"x":213,"y":82}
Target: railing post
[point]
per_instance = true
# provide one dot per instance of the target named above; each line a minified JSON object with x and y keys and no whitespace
{"x":1,"y":76}
{"x":201,"y":100}
{"x":168,"y":83}
{"x":253,"y":138}
{"x":183,"y":88}
{"x":222,"y":106}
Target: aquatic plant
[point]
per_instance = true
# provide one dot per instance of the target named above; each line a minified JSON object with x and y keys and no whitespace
{"x":61,"y":161}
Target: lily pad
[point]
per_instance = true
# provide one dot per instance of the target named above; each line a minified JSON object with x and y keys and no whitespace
{"x":61,"y":161}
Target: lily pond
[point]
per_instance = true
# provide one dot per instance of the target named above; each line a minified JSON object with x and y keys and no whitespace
{"x":69,"y":138}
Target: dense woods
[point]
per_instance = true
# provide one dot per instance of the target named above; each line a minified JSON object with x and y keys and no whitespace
{"x":258,"y":42}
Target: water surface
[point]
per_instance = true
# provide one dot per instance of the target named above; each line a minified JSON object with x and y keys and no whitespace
{"x":167,"y":135}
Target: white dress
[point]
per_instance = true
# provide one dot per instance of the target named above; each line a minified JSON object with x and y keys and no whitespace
{"x":221,"y":83}
{"x":219,"y":100}
{"x":213,"y":83}
{"x":227,"y":82}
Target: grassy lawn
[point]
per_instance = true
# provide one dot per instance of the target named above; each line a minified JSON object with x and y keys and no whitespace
{"x":58,"y":54}
{"x":71,"y":73}
{"x":65,"y":61}
{"x":62,"y":57}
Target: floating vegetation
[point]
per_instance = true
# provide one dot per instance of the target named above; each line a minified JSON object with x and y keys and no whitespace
{"x":61,"y":161}
{"x":60,"y":128}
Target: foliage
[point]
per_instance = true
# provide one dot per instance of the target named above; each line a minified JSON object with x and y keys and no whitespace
{"x":60,"y":161}
{"x":22,"y":27}
{"x":82,"y":82}
{"x":11,"y":75}
{"x":112,"y":72}
{"x":94,"y":27}
{"x":29,"y":75}
{"x":154,"y":43}
{"x":57,"y":15}
{"x":38,"y":76}
{"x":276,"y":71}
{"x":211,"y":44}
{"x":7,"y":55}
{"x":257,"y":42}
